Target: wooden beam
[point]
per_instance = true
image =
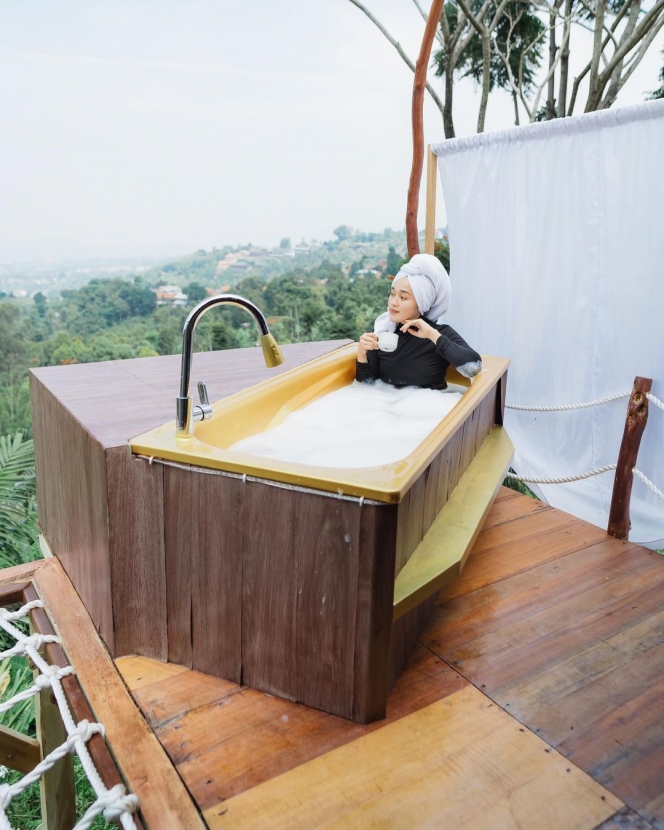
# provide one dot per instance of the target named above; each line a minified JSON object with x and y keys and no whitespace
{"x":635,"y":423}
{"x":419,"y":86}
{"x":56,"y":786}
{"x":442,"y":553}
{"x":165,"y":803}
{"x":17,"y":751}
{"x":430,"y":220}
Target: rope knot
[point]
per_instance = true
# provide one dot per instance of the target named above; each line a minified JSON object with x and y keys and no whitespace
{"x":51,"y":673}
{"x":116,"y":802}
{"x":85,"y":730}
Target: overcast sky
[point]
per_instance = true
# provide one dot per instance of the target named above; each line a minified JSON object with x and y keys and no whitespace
{"x":156,"y":127}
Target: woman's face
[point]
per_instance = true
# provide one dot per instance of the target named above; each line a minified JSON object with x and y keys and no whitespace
{"x":402,"y":305}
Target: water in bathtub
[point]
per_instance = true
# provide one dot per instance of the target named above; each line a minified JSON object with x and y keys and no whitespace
{"x":360,"y":425}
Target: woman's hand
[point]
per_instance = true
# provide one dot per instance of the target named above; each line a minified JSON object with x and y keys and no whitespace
{"x":420,"y":328}
{"x":368,"y":342}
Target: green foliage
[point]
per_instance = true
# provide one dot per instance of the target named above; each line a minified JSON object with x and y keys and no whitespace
{"x":518,"y":29}
{"x":659,"y":93}
{"x":195,"y":292}
{"x":519,"y":486}
{"x":18,"y":531}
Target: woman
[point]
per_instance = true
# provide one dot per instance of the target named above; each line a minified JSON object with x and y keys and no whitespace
{"x":420,"y":294}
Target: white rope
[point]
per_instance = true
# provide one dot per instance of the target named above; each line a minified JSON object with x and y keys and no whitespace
{"x":115,"y":804}
{"x":562,"y":480}
{"x":654,"y":400}
{"x":648,"y":483}
{"x":566,"y":407}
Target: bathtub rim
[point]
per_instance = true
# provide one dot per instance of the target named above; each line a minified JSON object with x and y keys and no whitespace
{"x":386,"y":483}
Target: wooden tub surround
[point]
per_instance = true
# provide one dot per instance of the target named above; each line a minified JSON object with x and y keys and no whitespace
{"x":287,"y":589}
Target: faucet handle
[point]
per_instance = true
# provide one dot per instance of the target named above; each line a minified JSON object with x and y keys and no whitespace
{"x":202,"y":393}
{"x":203,"y":410}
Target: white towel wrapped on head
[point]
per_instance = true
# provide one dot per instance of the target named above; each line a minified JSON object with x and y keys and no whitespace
{"x":431,"y":288}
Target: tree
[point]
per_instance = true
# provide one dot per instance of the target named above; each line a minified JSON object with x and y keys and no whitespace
{"x":343,"y":232}
{"x":195,"y":292}
{"x":40,"y":303}
{"x":285,"y":243}
{"x":659,"y":93}
{"x":478,"y":36}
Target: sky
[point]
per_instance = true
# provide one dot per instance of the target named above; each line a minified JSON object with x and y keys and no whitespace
{"x":157,"y":127}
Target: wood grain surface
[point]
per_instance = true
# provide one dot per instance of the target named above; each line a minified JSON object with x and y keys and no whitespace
{"x":552,"y":620}
{"x":461,"y":762}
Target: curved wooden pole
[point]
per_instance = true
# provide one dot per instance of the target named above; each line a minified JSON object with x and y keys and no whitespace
{"x":419,"y":86}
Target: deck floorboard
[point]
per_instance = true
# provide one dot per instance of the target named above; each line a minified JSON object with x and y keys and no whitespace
{"x":559,"y":625}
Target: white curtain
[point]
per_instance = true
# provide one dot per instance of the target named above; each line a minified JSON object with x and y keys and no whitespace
{"x":557,"y":248}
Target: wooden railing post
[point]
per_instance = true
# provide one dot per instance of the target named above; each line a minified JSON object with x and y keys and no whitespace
{"x":635,"y":423}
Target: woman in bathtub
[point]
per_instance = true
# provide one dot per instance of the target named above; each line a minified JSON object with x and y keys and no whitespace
{"x":420,"y":294}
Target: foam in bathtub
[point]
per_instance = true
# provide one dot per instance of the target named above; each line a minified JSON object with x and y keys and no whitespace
{"x":360,"y":425}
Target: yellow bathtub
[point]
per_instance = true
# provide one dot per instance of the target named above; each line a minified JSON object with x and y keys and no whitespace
{"x":265,"y":406}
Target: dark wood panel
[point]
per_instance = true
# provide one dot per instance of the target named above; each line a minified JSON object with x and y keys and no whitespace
{"x":180,"y":499}
{"x":404,"y":636}
{"x":269,"y":589}
{"x":375,"y":595}
{"x":71,"y":502}
{"x":136,"y":545}
{"x":326,"y":539}
{"x":216,"y":560}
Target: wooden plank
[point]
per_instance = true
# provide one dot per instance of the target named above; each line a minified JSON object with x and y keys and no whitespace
{"x":503,"y":551}
{"x":136,"y":544}
{"x":625,"y":819}
{"x":441,"y":555}
{"x":269,"y":589}
{"x":216,"y":560}
{"x":71,"y":501}
{"x":180,"y":501}
{"x":257,"y":737}
{"x":142,"y":671}
{"x":430,"y":217}
{"x":483,"y":625}
{"x":56,"y":786}
{"x":327,"y":542}
{"x":373,"y":621}
{"x":511,"y":508}
{"x":166,"y":699}
{"x":203,"y":571}
{"x":143,"y":763}
{"x":460,"y":762}
{"x":18,"y":751}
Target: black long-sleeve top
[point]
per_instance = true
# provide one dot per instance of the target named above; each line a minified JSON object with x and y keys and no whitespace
{"x":417,"y":361}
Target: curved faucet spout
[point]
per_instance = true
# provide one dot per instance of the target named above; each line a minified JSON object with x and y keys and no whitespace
{"x":186,"y":413}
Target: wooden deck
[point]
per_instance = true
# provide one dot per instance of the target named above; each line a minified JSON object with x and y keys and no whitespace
{"x":534,"y":699}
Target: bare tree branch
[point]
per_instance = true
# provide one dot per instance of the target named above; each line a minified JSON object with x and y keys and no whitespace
{"x":398,"y":47}
{"x":425,"y":16}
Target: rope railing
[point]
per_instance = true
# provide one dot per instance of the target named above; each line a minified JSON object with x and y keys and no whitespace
{"x":569,"y":406}
{"x":114,"y":804}
{"x":625,"y":468}
{"x":649,"y":484}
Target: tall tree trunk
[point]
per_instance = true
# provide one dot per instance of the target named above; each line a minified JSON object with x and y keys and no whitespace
{"x":486,"y":80}
{"x":448,"y":122}
{"x":516,"y":108}
{"x":594,"y":94}
{"x":564,"y":62}
{"x":553,"y":48}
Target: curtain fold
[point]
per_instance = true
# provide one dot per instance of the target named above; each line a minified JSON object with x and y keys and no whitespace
{"x":557,"y":261}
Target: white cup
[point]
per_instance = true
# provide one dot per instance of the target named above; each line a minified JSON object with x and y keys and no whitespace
{"x":388,"y":341}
